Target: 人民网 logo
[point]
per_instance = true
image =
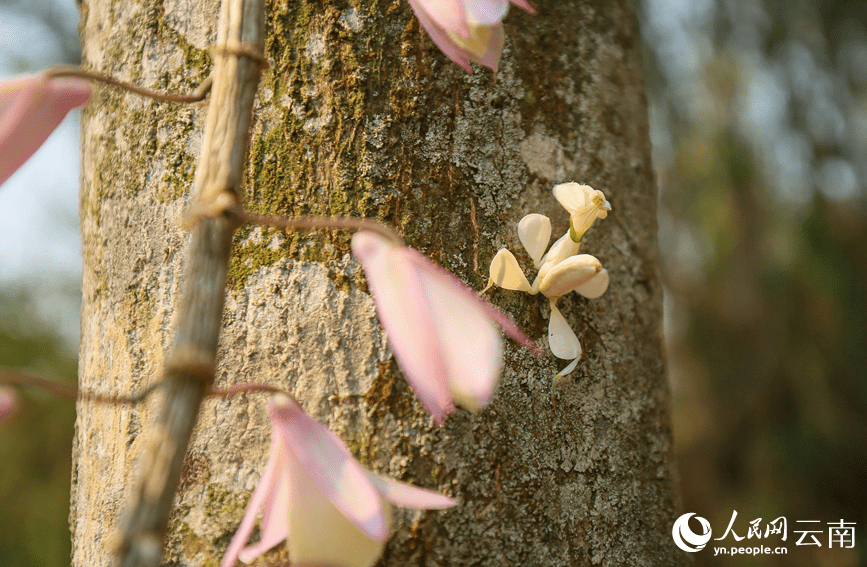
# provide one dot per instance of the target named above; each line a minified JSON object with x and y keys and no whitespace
{"x":685,"y":538}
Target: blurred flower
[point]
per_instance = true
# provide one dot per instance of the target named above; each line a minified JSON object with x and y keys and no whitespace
{"x":312,"y":493}
{"x":467,"y":30}
{"x":30,"y":109}
{"x":584,"y":204}
{"x":443,"y":335}
{"x":8,"y":403}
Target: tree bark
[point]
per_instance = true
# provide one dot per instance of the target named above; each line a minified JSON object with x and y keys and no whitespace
{"x":361,"y":115}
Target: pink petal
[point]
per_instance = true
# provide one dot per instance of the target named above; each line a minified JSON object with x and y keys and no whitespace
{"x":319,"y":532}
{"x":523,"y":4}
{"x":467,"y":338}
{"x":264,"y":493}
{"x":486,"y":12}
{"x":408,"y":496}
{"x":32,"y":114}
{"x":331,"y":466}
{"x":441,"y":332}
{"x":494,"y":49}
{"x":405,"y":316}
{"x":451,"y":49}
{"x":275,"y":510}
{"x":10,"y":89}
{"x":447,"y":15}
{"x":434,"y":271}
{"x":8,"y":403}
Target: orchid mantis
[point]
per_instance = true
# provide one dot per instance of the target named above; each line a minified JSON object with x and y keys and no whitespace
{"x":562,"y":269}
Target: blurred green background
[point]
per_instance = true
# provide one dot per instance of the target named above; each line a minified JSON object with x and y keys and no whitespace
{"x":759,"y":125}
{"x":759,"y":112}
{"x":35,"y":443}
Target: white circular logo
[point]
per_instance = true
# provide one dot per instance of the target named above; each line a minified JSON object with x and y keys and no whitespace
{"x":685,"y":538}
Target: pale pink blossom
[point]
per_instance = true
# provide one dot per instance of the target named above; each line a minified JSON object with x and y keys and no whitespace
{"x":30,"y":109}
{"x":8,"y":403}
{"x":444,"y":336}
{"x":466,"y":30}
{"x":313,"y":494}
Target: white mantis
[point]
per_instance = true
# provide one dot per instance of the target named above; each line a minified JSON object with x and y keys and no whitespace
{"x":562,"y":269}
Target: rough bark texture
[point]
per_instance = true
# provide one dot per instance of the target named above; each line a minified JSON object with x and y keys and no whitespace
{"x":361,"y":115}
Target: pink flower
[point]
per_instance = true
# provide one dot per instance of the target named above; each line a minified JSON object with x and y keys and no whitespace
{"x":466,"y":30}
{"x":313,"y":494}
{"x":30,"y":109}
{"x":444,"y":336}
{"x":8,"y":403}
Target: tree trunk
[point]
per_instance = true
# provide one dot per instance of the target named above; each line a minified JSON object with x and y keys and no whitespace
{"x":361,"y":115}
